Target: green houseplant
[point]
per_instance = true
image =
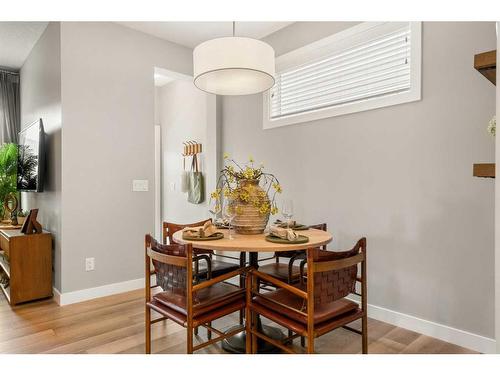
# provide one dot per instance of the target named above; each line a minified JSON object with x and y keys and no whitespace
{"x":8,"y":173}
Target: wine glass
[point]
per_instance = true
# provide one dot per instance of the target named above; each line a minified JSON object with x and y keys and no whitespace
{"x":287,"y":211}
{"x":229,"y":213}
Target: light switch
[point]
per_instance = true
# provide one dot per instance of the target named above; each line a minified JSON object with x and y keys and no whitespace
{"x":140,"y":185}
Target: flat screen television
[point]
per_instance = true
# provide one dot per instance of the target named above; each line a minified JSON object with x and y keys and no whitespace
{"x":31,"y":158}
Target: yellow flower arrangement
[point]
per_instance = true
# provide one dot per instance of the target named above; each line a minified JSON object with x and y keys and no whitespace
{"x":230,"y":186}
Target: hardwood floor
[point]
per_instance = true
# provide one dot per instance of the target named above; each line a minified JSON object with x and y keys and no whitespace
{"x":115,"y":324}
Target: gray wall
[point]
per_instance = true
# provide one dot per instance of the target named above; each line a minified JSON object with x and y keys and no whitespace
{"x":108,"y":116}
{"x":401,"y":176}
{"x":41,"y":98}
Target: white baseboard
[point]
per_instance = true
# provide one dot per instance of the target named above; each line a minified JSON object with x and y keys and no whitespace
{"x":100,"y":291}
{"x":439,"y":331}
{"x":56,"y":295}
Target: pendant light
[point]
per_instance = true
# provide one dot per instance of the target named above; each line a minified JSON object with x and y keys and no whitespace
{"x":233,"y":66}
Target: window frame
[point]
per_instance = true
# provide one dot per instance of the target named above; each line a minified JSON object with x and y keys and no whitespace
{"x":301,"y":55}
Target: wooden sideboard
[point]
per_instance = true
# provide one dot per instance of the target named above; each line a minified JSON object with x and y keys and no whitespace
{"x":27,"y":262}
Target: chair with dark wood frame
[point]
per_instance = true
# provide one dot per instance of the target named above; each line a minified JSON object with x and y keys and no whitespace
{"x":319,"y":306}
{"x":182,"y":300}
{"x":288,"y":273}
{"x":218,"y":267}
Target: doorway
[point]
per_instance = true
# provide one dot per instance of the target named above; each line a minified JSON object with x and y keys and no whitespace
{"x":182,"y":113}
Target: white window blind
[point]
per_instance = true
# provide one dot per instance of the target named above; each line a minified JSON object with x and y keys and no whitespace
{"x":366,"y":62}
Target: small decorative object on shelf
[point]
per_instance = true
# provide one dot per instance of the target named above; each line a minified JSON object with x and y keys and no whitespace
{"x":21,"y":216}
{"x":30,"y":225}
{"x":247,"y":189}
{"x":492,"y":126}
{"x":4,"y":279}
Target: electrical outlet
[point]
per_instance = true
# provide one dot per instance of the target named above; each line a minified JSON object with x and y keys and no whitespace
{"x":89,"y":264}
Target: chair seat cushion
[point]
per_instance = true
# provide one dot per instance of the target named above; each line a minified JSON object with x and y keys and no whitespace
{"x":208,"y":316}
{"x":300,"y":327}
{"x":218,"y":267}
{"x":322,"y":312}
{"x":280,"y":271}
{"x":204,"y":300}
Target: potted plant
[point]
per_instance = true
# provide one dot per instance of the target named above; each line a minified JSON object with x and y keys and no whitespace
{"x":21,"y":216}
{"x":249,"y":191}
{"x":8,"y":174}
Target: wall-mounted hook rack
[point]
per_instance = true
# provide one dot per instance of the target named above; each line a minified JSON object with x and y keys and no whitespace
{"x":191,"y":148}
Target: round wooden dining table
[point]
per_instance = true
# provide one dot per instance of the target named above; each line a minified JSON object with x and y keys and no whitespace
{"x":254,"y":244}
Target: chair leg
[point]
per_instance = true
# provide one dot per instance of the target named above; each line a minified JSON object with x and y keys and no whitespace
{"x":148,"y":330}
{"x":253,"y":317}
{"x":302,"y":341}
{"x":209,"y":333}
{"x":242,"y":316}
{"x":310,"y":344}
{"x":248,"y":331}
{"x":196,"y":331}
{"x":364,"y":337}
{"x":190,"y":339}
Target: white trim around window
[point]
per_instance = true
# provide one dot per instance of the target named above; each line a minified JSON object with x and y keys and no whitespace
{"x":308,"y":55}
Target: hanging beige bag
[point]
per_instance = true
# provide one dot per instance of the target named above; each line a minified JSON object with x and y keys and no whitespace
{"x":196,"y":186}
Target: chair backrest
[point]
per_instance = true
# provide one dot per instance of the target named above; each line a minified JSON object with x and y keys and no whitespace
{"x":322,"y":227}
{"x":335,"y":272}
{"x":169,"y":263}
{"x":289,"y":254}
{"x":170,"y":228}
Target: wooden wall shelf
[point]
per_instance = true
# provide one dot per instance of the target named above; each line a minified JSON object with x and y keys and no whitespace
{"x":486,"y":64}
{"x":484,"y":170}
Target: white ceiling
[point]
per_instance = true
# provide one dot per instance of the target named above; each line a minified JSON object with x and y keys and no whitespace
{"x":16,"y":41}
{"x":190,"y":34}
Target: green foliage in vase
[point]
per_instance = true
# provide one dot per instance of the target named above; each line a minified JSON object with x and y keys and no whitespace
{"x":23,"y":213}
{"x":229,"y":186}
{"x":8,"y":172}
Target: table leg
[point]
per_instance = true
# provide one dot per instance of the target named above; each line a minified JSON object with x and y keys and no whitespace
{"x":237,"y":343}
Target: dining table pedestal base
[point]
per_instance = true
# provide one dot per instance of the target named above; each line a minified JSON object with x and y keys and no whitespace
{"x":237,"y":343}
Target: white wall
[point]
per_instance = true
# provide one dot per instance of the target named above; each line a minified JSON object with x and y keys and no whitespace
{"x":183,"y":116}
{"x":41,"y":98}
{"x":108,"y":140}
{"x":401,"y":176}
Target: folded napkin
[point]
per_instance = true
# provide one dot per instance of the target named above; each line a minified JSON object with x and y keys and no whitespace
{"x":284,"y":224}
{"x":207,"y":230}
{"x":286,"y":234}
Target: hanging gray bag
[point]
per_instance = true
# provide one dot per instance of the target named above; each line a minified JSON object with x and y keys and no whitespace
{"x":196,"y":188}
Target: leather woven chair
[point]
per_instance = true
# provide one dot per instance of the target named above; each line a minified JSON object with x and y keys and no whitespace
{"x":218,"y":267}
{"x":318,"y":306}
{"x":184,"y":302}
{"x":288,"y":272}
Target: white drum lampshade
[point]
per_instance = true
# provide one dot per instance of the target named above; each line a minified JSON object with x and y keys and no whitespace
{"x":233,"y":66}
